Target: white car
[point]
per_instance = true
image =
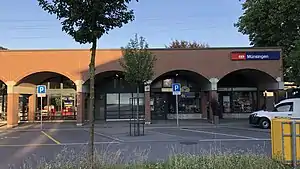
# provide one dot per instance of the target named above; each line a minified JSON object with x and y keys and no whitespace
{"x":285,"y":108}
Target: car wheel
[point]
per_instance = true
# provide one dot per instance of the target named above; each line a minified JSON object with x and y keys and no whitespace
{"x":264,"y":123}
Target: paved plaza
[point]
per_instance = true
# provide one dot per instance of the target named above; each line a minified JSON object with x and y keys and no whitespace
{"x":29,"y":141}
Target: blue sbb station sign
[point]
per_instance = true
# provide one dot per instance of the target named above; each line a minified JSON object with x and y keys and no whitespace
{"x":261,"y":55}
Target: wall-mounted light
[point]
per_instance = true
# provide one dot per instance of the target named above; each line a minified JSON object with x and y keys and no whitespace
{"x":176,"y":74}
{"x":117,"y":75}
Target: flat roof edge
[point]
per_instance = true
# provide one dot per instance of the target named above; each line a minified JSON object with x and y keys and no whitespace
{"x":118,"y":49}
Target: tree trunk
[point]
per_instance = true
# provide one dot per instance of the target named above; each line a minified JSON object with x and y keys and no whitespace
{"x":92,"y":101}
{"x":137,"y":109}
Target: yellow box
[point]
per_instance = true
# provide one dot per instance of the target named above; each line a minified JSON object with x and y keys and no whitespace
{"x":281,"y":136}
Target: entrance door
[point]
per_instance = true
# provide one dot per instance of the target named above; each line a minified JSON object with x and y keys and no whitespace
{"x":100,"y":107}
{"x":23,"y":107}
{"x":161,"y":107}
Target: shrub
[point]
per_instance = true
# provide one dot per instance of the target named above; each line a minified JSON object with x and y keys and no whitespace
{"x":69,"y":159}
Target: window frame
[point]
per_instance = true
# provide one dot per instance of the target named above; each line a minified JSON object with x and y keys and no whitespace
{"x":291,"y":104}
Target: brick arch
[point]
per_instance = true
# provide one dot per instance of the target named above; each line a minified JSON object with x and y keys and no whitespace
{"x":98,"y":72}
{"x":247,"y":77}
{"x":19,"y":79}
{"x":160,"y":74}
{"x":3,"y":80}
{"x":224,"y":74}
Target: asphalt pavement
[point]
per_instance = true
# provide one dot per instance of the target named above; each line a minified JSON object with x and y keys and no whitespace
{"x":32,"y":144}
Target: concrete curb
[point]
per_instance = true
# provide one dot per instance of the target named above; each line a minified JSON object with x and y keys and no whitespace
{"x":248,"y":129}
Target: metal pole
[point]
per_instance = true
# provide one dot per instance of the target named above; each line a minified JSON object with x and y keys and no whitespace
{"x":41,"y":113}
{"x":177,"y":118}
{"x":294,"y":144}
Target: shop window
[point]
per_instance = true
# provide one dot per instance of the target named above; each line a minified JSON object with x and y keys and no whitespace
{"x":125,"y":105}
{"x":243,"y":102}
{"x":167,"y":82}
{"x":112,"y":102}
{"x":157,"y":84}
{"x":183,"y":82}
{"x":189,"y":103}
{"x":125,"y":101}
{"x":54,"y":85}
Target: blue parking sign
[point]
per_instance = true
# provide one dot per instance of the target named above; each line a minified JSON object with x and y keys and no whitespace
{"x":176,"y":89}
{"x":41,"y":90}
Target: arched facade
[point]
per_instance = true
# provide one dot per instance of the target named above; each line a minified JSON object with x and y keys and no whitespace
{"x":191,"y":103}
{"x":243,"y":91}
{"x":59,"y":104}
{"x":114,"y":96}
{"x":205,"y":70}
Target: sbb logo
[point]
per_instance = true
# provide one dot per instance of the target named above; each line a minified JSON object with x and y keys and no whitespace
{"x":238,"y":56}
{"x":241,"y":56}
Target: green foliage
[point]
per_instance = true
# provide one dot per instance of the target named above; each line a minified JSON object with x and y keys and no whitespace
{"x":90,"y":19}
{"x":87,"y":21}
{"x":3,"y":48}
{"x":183,"y":44}
{"x":271,"y":23}
{"x":137,"y":62}
{"x":294,"y":63}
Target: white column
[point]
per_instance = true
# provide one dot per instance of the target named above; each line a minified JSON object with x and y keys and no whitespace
{"x":80,"y":102}
{"x":10,"y":86}
{"x":214,"y":83}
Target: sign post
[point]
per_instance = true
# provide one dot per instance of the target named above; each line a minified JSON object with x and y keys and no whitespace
{"x":176,"y":89}
{"x":41,"y":92}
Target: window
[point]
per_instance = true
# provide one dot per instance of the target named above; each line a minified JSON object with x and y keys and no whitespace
{"x":167,"y":83}
{"x":112,"y":102}
{"x":284,"y":107}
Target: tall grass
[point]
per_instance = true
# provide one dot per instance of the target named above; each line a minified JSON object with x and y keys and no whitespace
{"x":69,"y":159}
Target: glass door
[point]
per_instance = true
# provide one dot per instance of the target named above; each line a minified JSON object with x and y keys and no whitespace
{"x":23,"y":107}
{"x":112,"y":106}
{"x":160,"y":108}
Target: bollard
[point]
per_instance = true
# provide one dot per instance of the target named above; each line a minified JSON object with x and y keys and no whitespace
{"x":294,"y":144}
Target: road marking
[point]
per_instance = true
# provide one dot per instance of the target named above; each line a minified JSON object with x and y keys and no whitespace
{"x":249,"y":129}
{"x":229,"y":135}
{"x":9,"y":138}
{"x":107,"y":136}
{"x":166,"y":134}
{"x":51,"y":138}
{"x":62,"y":144}
{"x":203,"y":140}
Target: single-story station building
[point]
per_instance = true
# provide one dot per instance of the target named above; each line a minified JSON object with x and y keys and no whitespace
{"x":237,"y":77}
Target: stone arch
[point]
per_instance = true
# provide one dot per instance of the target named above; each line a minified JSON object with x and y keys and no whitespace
{"x":102,"y":74}
{"x":36,"y":78}
{"x":35,"y":72}
{"x":249,"y":77}
{"x":183,"y":73}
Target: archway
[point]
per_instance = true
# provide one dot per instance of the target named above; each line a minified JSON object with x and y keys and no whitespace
{"x":3,"y":101}
{"x":113,"y":97}
{"x":59,"y":104}
{"x":243,"y":91}
{"x":191,"y":101}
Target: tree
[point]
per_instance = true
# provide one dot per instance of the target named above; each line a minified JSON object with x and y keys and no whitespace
{"x":87,"y":21}
{"x":271,"y":23}
{"x":187,"y":44}
{"x":3,"y":48}
{"x":294,"y":60}
{"x":138,"y":63}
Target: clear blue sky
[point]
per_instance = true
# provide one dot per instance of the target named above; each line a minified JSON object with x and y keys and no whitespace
{"x":24,"y":25}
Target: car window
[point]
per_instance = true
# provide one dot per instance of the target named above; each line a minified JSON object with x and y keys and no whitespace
{"x":284,"y":107}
